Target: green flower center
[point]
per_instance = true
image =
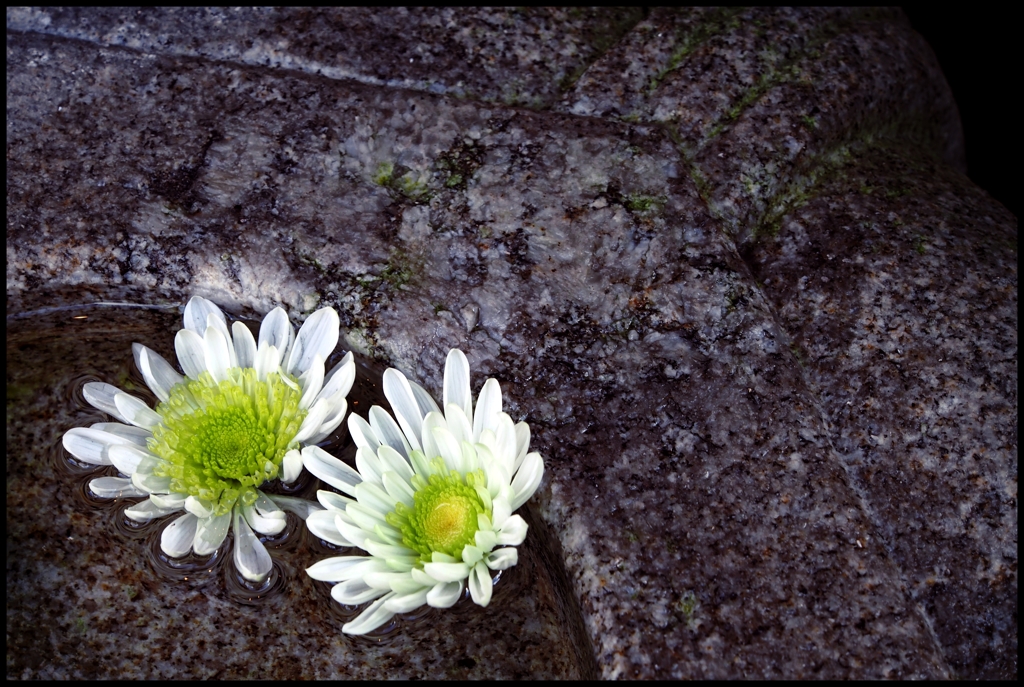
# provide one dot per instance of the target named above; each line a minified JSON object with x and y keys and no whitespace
{"x":220,"y":441}
{"x":444,"y":513}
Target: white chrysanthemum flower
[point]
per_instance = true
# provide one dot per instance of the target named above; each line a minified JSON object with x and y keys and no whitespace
{"x":432,"y":499}
{"x":236,"y":420}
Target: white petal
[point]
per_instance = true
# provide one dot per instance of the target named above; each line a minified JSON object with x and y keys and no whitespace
{"x":267,"y":508}
{"x":385,"y":551}
{"x":456,"y":383}
{"x":218,"y":358}
{"x":501,"y":509}
{"x":250,"y":556}
{"x":144,"y":511}
{"x":336,"y":407}
{"x":291,"y":466}
{"x":287,"y":379}
{"x":197,"y":315}
{"x":423,"y":578}
{"x":220,"y":324}
{"x":431,"y":421}
{"x":351,"y":530}
{"x":384,"y":579}
{"x":388,"y":431}
{"x":339,"y":380}
{"x":407,"y":410}
{"x":191,"y":352}
{"x":276,"y":331}
{"x":497,"y":475}
{"x":176,"y":539}
{"x":406,"y":585}
{"x":446,"y":572}
{"x":470,"y":462}
{"x":91,"y":445}
{"x":341,"y":568}
{"x":317,"y":336}
{"x":458,"y":424}
{"x":267,"y":361}
{"x":314,"y":418}
{"x":423,"y":400}
{"x":393,"y":461}
{"x":199,"y":507}
{"x":488,"y":406}
{"x":159,"y":375}
{"x":480,"y":585}
{"x":504,"y":448}
{"x":513,"y":532}
{"x":373,"y":617}
{"x":331,"y":470}
{"x":500,"y":559}
{"x":245,"y":345}
{"x":321,"y":524}
{"x":471,"y":554}
{"x":527,"y":479}
{"x":362,"y":434}
{"x":312,"y":381}
{"x":368,"y":465}
{"x":408,"y":602}
{"x":114,"y":488}
{"x":372,"y":496}
{"x":420,"y":464}
{"x":365,"y":517}
{"x":136,"y":412}
{"x":210,"y":534}
{"x":397,"y":488}
{"x":332,"y":500}
{"x":150,"y":465}
{"x":449,"y":448}
{"x":154,"y":484}
{"x":294,"y":504}
{"x":522,"y":444}
{"x":485,"y":539}
{"x":270,"y":523}
{"x":445,"y":594}
{"x":355,"y":592}
{"x":131,"y":434}
{"x":101,"y":396}
{"x":126,"y":457}
{"x":170,"y":502}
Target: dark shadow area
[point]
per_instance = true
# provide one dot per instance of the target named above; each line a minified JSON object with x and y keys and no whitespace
{"x":976,"y":54}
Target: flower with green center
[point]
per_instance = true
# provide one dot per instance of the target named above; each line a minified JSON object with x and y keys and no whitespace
{"x":431,"y":500}
{"x":236,"y":420}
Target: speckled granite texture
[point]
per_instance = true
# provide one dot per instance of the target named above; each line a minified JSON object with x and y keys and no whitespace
{"x":725,"y":263}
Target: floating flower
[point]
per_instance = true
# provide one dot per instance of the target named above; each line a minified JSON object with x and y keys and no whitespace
{"x":431,"y":501}
{"x":236,"y":420}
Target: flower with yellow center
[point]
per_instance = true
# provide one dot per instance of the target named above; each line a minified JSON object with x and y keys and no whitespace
{"x":236,"y":420}
{"x":431,"y":500}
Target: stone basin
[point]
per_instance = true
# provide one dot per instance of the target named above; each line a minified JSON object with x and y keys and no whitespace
{"x":725,"y":262}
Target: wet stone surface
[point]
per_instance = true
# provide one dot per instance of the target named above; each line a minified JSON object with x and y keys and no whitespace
{"x":92,"y":597}
{"x":764,"y":332}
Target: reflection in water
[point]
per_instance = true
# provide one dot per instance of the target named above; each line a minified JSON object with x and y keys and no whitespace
{"x":199,"y":571}
{"x":143,"y":594}
{"x":218,"y":568}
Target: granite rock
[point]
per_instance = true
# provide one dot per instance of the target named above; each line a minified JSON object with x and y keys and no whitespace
{"x":525,"y":56}
{"x":760,"y":98}
{"x":726,"y":228}
{"x":904,"y":316}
